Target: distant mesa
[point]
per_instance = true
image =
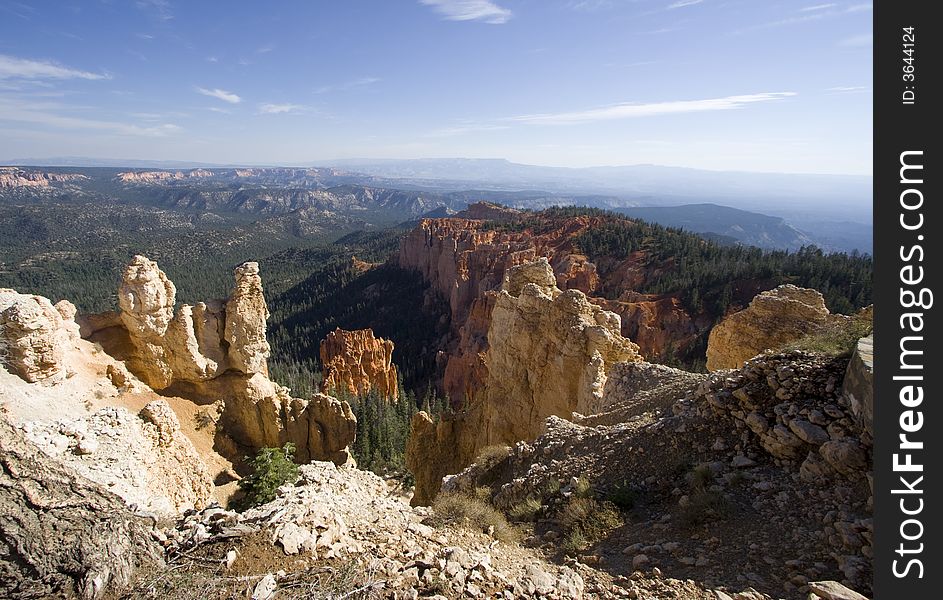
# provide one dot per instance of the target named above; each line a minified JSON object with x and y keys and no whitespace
{"x":15,"y":177}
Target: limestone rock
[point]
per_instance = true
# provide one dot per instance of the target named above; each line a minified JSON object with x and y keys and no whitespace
{"x":425,"y":457}
{"x":146,"y":459}
{"x":464,"y":262}
{"x":198,"y":342}
{"x":193,"y":342}
{"x":260,"y":413}
{"x":246,"y":314}
{"x":549,"y":352}
{"x":146,"y":298}
{"x":773,"y":319}
{"x":832,"y":590}
{"x":217,"y":351}
{"x":858,"y":386}
{"x":356,"y":362}
{"x":33,"y":335}
{"x":62,"y":534}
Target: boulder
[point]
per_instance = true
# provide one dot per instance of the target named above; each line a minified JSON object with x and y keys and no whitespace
{"x":858,"y":386}
{"x":773,"y":319}
{"x":61,"y":534}
{"x":34,"y":335}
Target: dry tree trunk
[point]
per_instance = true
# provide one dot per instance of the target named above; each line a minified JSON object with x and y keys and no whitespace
{"x":61,"y":534}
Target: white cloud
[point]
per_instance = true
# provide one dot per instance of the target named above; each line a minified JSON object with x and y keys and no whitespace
{"x":820,"y":12}
{"x":278,"y":109}
{"x":220,"y":95}
{"x":347,"y":85}
{"x":632,"y":110}
{"x":817,"y":7}
{"x":847,"y":89}
{"x":46,"y":115}
{"x":858,"y":41}
{"x":12,"y":67}
{"x":683,"y":3}
{"x":470,"y":10}
{"x":265,"y":49}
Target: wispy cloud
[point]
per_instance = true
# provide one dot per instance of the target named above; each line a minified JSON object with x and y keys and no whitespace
{"x":634,"y":110}
{"x":818,"y":7}
{"x":12,"y":67}
{"x":18,"y":9}
{"x":216,"y":109}
{"x":847,"y":89}
{"x":470,"y":10}
{"x":160,"y":8}
{"x":589,"y":5}
{"x":265,"y":49}
{"x":683,"y":3}
{"x":857,"y":41}
{"x":49,"y":115}
{"x":660,"y":31}
{"x":212,"y":59}
{"x":820,"y":12}
{"x":279,"y":109}
{"x":220,"y":95}
{"x":347,"y":85}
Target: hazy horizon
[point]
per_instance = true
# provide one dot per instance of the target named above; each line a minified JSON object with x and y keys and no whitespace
{"x":774,"y":87}
{"x":142,"y":163}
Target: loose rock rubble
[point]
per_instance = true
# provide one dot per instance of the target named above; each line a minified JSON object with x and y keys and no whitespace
{"x":335,"y":515}
{"x":757,"y":477}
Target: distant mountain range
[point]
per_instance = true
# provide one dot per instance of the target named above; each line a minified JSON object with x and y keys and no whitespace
{"x":840,"y":196}
{"x":766,"y":210}
{"x":745,"y":227}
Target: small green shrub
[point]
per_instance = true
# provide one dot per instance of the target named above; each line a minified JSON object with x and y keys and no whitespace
{"x":526,"y":510}
{"x":271,"y":468}
{"x":582,"y":488}
{"x":482,"y":493}
{"x":491,"y":456}
{"x":551,"y":487}
{"x":574,"y":542}
{"x":467,"y":511}
{"x":623,"y":496}
{"x":700,"y":477}
{"x":836,"y":339}
{"x":588,"y":520}
{"x":703,"y":507}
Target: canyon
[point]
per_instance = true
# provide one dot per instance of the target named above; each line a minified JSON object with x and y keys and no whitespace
{"x":556,"y":407}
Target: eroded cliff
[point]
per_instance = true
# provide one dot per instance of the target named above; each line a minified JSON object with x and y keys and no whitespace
{"x":549,"y":352}
{"x":356,"y":362}
{"x":217,"y":352}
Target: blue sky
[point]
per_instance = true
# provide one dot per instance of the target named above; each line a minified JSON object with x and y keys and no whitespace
{"x":757,"y":85}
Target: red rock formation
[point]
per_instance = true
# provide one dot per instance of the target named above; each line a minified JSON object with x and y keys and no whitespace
{"x":463,"y":259}
{"x":356,"y":362}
